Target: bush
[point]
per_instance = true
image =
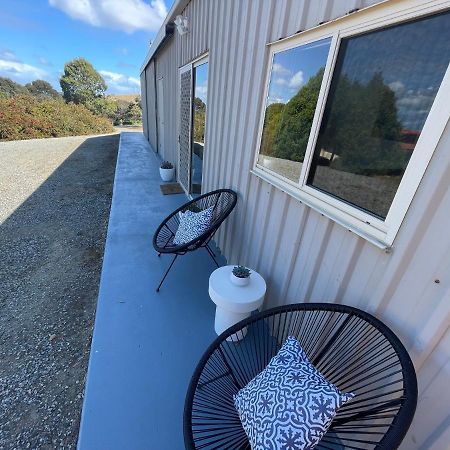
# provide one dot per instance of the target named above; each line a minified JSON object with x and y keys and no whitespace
{"x":9,"y":88}
{"x":127,"y":112}
{"x":26,"y":117}
{"x":41,"y":89}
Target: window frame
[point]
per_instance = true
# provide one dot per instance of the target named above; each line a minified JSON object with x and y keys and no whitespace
{"x":380,"y":232}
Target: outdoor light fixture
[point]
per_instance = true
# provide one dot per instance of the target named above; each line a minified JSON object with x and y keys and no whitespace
{"x":182,"y":24}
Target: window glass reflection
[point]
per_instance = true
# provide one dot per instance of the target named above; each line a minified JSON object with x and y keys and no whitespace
{"x":383,"y":86}
{"x":294,"y":87}
{"x":199,"y":121}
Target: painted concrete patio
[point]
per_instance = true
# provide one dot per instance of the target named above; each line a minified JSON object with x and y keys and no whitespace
{"x":145,"y":344}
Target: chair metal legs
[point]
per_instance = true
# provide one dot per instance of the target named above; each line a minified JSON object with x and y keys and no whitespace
{"x":208,"y":249}
{"x":167,"y":271}
{"x":211,"y":253}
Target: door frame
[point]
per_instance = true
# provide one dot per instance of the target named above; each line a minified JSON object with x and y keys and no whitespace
{"x":202,"y":59}
{"x":181,"y":71}
{"x":160,"y":115}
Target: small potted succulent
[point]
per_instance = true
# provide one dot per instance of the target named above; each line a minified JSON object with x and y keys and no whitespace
{"x":240,"y":275}
{"x":167,"y":171}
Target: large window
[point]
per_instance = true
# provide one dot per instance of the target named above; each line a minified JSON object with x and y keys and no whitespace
{"x":293,"y":90}
{"x":345,"y":114}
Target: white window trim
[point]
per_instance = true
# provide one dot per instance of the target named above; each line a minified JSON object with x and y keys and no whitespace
{"x":379,"y":232}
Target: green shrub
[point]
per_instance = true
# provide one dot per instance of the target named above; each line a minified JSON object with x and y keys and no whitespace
{"x":9,"y":88}
{"x":26,"y":117}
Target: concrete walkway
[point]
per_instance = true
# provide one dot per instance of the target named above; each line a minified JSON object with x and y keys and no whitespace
{"x":146,"y":344}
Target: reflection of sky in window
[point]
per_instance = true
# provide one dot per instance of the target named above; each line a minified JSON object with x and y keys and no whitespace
{"x":201,"y":82}
{"x":293,"y":68}
{"x":412,"y":59}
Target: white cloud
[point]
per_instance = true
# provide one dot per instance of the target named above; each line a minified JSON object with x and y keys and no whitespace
{"x":275,"y":99}
{"x":119,"y":83}
{"x":281,"y":81}
{"x":126,"y":65}
{"x":415,"y":101}
{"x":123,"y":51}
{"x":201,"y":92}
{"x":8,"y":55}
{"x":43,"y":61}
{"x":280,"y":70}
{"x":20,"y":72}
{"x":398,"y":87}
{"x":297,"y":80}
{"x":125,"y":15}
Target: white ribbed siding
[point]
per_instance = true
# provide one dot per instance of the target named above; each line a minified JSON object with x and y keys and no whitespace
{"x":150,"y":120}
{"x":144,"y":105}
{"x":303,"y":255}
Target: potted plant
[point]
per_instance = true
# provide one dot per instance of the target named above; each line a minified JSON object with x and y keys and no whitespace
{"x":167,"y":171}
{"x":240,"y":275}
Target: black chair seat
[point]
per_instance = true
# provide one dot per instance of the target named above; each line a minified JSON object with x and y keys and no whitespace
{"x":351,"y":348}
{"x":222,"y":201}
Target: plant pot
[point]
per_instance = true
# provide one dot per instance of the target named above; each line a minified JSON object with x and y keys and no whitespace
{"x":239,"y":281}
{"x":167,"y":174}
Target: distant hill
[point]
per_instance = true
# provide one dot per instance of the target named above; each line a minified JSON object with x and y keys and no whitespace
{"x":124,"y":97}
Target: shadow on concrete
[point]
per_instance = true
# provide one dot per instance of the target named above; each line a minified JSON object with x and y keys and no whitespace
{"x":51,"y":250}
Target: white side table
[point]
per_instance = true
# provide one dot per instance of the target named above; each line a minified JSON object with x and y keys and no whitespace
{"x":234,"y":303}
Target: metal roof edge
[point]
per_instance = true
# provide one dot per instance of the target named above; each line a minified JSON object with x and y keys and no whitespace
{"x":165,"y":32}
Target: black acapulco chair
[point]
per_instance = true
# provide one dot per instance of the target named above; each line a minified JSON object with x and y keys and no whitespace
{"x":353,"y":349}
{"x":222,"y":200}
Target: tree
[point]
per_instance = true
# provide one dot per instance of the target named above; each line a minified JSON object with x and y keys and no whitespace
{"x":42,"y":89}
{"x":9,"y":88}
{"x":103,"y":106}
{"x":199,"y":120}
{"x":362,"y":129}
{"x":133,"y":114}
{"x":270,"y":129}
{"x":81,"y":83}
{"x":295,"y":121}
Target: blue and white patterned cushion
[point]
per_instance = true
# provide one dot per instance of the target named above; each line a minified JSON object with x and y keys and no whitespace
{"x":290,"y":404}
{"x":192,"y":225}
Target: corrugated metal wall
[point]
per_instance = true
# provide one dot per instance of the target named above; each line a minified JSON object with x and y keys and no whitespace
{"x":303,"y":255}
{"x":151,"y":120}
{"x":144,"y":105}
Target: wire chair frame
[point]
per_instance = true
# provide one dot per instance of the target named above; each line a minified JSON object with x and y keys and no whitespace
{"x":351,"y":348}
{"x":223,"y":202}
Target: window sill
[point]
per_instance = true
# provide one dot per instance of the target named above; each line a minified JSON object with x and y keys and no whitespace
{"x":366,"y":231}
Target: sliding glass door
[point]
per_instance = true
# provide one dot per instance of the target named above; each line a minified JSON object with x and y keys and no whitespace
{"x":199,"y":125}
{"x":192,"y":125}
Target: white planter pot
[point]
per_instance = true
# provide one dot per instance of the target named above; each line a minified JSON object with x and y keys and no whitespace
{"x":239,"y":281}
{"x":167,"y":174}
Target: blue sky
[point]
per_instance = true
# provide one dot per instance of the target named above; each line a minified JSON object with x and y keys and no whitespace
{"x":293,"y":68}
{"x":201,"y":82}
{"x":38,"y":36}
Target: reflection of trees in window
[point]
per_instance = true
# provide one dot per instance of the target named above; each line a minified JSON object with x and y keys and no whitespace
{"x":270,"y":128}
{"x":361,"y":131}
{"x":199,"y":120}
{"x":287,"y":126}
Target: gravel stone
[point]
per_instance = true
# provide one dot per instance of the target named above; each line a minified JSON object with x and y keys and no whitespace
{"x":55,"y":196}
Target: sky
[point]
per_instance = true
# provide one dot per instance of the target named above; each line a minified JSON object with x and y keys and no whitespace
{"x":38,"y":36}
{"x":412,"y":59}
{"x":293,"y":68}
{"x":201,"y":82}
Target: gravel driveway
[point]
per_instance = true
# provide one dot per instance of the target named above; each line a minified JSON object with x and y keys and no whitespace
{"x":55,"y":196}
